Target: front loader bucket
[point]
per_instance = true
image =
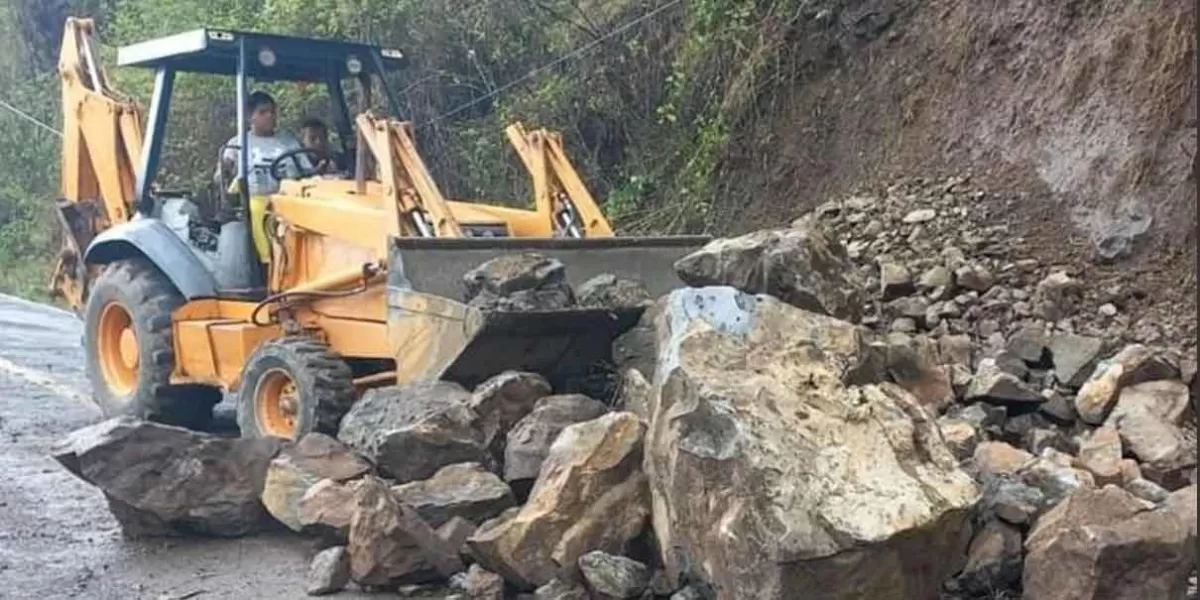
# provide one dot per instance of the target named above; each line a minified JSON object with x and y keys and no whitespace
{"x":434,"y":334}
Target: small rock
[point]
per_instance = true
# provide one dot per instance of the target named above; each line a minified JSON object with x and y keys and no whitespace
{"x":1054,"y":480}
{"x":1147,"y":490}
{"x":1129,"y":471}
{"x":913,"y":307}
{"x":329,"y":571}
{"x":558,"y":589}
{"x":912,"y":363}
{"x":457,"y":530}
{"x":1100,"y":454}
{"x":481,"y":584}
{"x":992,"y":384}
{"x":1011,"y":500}
{"x":608,"y":576}
{"x":466,"y":490}
{"x":1056,"y":296}
{"x":1029,"y":344}
{"x":955,"y":349}
{"x":904,"y":325}
{"x":1108,"y":310}
{"x":1038,"y":439}
{"x":974,"y":277}
{"x":994,"y":559}
{"x":935,"y":278}
{"x":984,"y":416}
{"x":920,"y":215}
{"x":1057,"y":407}
{"x":610,"y":291}
{"x":894,"y":281}
{"x":960,"y":436}
{"x":1074,"y":358}
{"x":998,"y":458}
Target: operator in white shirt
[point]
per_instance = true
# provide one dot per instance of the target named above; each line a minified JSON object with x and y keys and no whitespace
{"x":266,"y":143}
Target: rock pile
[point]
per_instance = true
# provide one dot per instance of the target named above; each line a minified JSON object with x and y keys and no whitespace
{"x":876,"y":402}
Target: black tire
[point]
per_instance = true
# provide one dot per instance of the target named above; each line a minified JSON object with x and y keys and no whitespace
{"x":322,"y":381}
{"x":147,"y":299}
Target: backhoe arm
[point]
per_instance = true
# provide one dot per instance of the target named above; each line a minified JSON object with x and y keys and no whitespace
{"x":102,"y":143}
{"x":559,"y":194}
{"x":415,"y":204}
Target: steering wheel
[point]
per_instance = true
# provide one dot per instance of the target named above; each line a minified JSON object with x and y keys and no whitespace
{"x":315,"y":157}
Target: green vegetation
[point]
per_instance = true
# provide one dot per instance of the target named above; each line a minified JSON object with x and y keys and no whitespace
{"x":647,"y":114}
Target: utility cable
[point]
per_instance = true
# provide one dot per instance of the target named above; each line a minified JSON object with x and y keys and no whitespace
{"x":573,"y":54}
{"x":30,"y":118}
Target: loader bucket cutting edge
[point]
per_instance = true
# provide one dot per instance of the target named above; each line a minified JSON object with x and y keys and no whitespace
{"x":435,"y":335}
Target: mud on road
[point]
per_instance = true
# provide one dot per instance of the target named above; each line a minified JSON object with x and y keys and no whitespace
{"x":57,"y":538}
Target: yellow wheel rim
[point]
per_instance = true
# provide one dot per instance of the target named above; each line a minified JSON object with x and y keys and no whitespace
{"x":277,"y":404}
{"x":117,"y":346}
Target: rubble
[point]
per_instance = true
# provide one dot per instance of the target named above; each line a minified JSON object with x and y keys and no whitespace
{"x":921,"y":412}
{"x":162,"y":480}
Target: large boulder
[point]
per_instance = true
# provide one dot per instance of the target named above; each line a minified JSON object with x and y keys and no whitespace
{"x":299,"y":467}
{"x":800,"y":265}
{"x":843,"y":491}
{"x":529,"y":441}
{"x":1108,"y":544}
{"x":464,"y":490}
{"x":162,"y":480}
{"x":412,"y":431}
{"x":390,"y":544}
{"x":591,"y":495}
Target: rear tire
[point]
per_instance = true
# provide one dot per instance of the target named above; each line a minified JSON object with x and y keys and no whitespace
{"x":293,"y":386}
{"x":129,"y":348}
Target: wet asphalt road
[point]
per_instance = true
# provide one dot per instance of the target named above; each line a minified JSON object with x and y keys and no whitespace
{"x":57,"y":538}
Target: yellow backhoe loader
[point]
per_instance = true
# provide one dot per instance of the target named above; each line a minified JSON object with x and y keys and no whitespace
{"x":299,"y":299}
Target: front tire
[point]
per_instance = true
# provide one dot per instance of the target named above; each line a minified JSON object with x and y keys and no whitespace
{"x":293,"y":386}
{"x":129,"y":348}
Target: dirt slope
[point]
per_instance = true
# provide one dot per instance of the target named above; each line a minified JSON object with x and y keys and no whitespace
{"x":1080,"y":115}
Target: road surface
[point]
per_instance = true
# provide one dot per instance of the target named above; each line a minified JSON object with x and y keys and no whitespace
{"x":57,"y":538}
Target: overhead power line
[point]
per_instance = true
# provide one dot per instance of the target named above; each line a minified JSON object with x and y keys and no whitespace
{"x":30,"y":118}
{"x":573,"y":54}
